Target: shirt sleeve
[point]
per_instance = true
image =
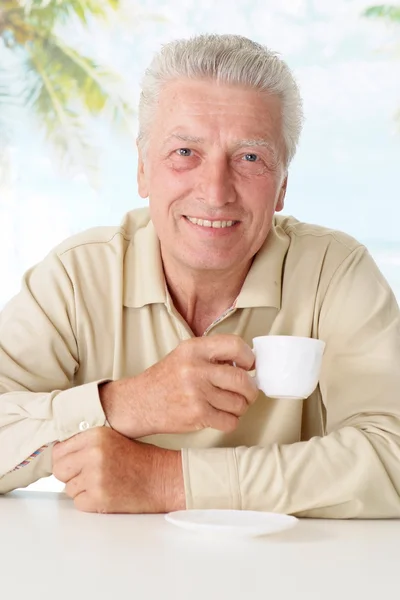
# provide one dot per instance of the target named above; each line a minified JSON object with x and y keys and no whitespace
{"x":39,"y":358}
{"x":353,"y":470}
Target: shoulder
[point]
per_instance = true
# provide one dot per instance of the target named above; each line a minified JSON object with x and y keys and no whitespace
{"x":311,"y":238}
{"x":311,"y":233}
{"x":104,"y":239}
{"x":319,"y":257}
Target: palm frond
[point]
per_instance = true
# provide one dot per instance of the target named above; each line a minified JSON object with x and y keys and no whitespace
{"x":62,"y":86}
{"x":22,"y":20}
{"x":52,"y":12}
{"x":11,"y":82}
{"x":14,"y":27}
{"x":64,"y":126}
{"x":384,"y":11}
{"x":97,"y":87}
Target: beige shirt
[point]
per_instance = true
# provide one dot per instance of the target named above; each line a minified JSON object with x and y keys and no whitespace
{"x":97,"y":308}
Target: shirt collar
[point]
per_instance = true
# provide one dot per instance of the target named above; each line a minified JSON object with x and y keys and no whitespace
{"x":263,"y":284}
{"x":144,"y":281}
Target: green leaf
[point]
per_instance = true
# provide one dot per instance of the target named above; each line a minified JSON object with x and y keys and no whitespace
{"x":65,"y":129}
{"x":384,"y":11}
{"x":20,"y":17}
{"x":55,"y":10}
{"x":60,"y":85}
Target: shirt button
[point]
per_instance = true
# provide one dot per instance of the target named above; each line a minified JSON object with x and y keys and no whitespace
{"x":83,"y":426}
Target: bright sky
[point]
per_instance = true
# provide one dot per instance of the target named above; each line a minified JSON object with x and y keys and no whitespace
{"x":346,"y":174}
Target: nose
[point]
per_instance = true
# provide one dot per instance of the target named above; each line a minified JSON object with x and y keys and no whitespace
{"x":216,"y":187}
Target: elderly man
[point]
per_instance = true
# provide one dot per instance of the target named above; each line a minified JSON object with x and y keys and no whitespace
{"x":121,"y":344}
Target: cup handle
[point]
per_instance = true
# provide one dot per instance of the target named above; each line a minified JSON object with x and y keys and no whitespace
{"x":255,"y":372}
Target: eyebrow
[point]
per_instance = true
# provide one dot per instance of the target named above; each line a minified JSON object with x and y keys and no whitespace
{"x":185,"y":138}
{"x":256,"y":143}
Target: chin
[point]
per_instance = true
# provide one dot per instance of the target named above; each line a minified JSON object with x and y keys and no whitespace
{"x":209,"y":265}
{"x":193,"y":258}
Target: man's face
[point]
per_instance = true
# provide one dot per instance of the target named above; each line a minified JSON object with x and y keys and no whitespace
{"x":214,"y":153}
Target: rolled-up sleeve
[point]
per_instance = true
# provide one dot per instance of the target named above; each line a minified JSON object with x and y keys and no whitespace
{"x":39,"y":358}
{"x":353,"y":471}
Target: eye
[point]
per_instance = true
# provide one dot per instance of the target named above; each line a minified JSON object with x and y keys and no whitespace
{"x":184,"y":152}
{"x":250,"y":157}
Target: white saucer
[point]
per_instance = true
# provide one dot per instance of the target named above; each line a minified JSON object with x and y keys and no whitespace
{"x":238,"y":523}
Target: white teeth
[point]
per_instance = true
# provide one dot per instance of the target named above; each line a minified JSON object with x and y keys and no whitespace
{"x":214,"y":224}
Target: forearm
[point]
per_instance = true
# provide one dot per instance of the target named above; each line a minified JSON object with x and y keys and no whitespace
{"x":168,"y":484}
{"x":32,"y":421}
{"x":348,"y":474}
{"x":127,"y":409}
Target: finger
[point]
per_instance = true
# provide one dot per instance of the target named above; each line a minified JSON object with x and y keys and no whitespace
{"x":235,"y":404}
{"x":230,"y":348}
{"x":67,"y":467}
{"x":84,"y":503}
{"x":72,"y":444}
{"x":233,"y":379}
{"x":75,"y":487}
{"x":223,"y":348}
{"x":77,"y":442}
{"x":222,"y":421}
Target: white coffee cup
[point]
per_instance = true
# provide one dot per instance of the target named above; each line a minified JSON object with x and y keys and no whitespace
{"x":287,"y":367}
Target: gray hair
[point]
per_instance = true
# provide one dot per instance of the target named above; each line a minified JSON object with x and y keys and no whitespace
{"x":230,"y":59}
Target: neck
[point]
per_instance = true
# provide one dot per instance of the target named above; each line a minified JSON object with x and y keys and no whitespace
{"x":201,"y":297}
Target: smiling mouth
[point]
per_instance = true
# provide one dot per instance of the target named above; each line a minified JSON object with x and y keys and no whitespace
{"x":212,"y":224}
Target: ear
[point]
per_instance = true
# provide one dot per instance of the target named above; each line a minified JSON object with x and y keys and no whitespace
{"x":141,"y":174}
{"x":282,"y":193}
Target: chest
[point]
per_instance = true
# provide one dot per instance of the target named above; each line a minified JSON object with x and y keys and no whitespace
{"x":136,"y":339}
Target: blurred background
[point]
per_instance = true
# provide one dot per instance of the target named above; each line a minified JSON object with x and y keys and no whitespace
{"x":69,"y":84}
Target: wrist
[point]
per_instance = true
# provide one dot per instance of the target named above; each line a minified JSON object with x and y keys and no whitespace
{"x":169,"y":474}
{"x":121,"y":403}
{"x":107,"y":401}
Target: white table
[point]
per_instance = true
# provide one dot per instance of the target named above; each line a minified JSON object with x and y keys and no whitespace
{"x":48,"y":550}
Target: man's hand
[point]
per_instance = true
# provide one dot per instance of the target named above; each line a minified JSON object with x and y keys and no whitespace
{"x":192,"y":388}
{"x":107,"y":473}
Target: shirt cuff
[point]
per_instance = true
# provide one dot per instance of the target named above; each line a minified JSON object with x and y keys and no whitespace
{"x":78,"y":409}
{"x":34,"y":470}
{"x":211,"y":478}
